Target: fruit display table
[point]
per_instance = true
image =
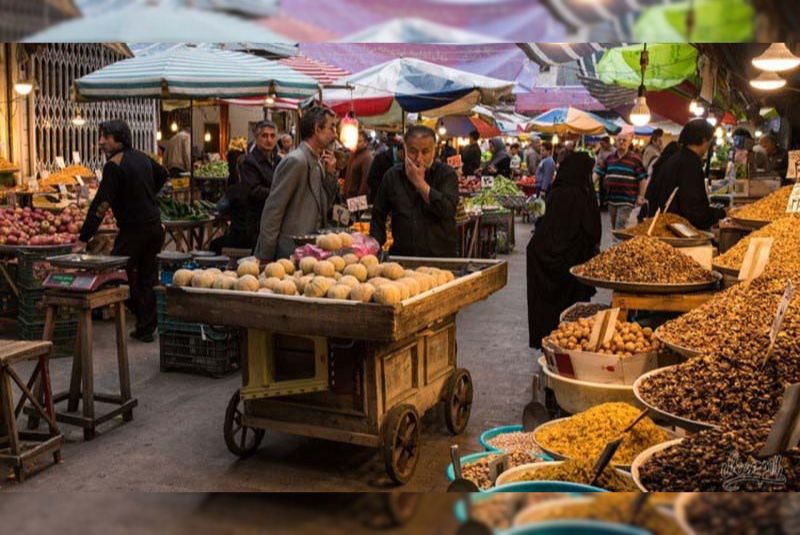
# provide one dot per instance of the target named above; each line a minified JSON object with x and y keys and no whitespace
{"x":359,"y":373}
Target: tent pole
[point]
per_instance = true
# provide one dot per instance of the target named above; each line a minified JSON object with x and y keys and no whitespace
{"x":403,"y":122}
{"x":191,"y":149}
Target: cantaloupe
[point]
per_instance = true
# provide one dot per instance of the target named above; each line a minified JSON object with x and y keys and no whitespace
{"x":392,"y":270}
{"x":425,"y":281}
{"x":346,"y":240}
{"x":247,"y":283}
{"x":410,"y":283}
{"x":337,"y":276}
{"x":230,"y":273}
{"x":348,"y":280}
{"x":378,"y":281}
{"x":324,"y":268}
{"x":307,"y":264}
{"x":285,"y":287}
{"x":265,"y":291}
{"x":409,"y":273}
{"x":362,"y":292}
{"x":387,"y":294}
{"x":287,"y":264}
{"x":350,"y":258}
{"x":448,"y":275}
{"x":274,"y":269}
{"x":424,"y":269}
{"x":182,"y":277}
{"x":269,"y":282}
{"x":247,"y":268}
{"x":223,"y":282}
{"x":215,"y":271}
{"x":374,"y":271}
{"x":358,"y":271}
{"x":201,"y":279}
{"x":338,"y":262}
{"x":329,"y":242}
{"x":338,"y":291}
{"x":369,"y":260}
{"x":318,"y":286}
{"x":302,"y":281}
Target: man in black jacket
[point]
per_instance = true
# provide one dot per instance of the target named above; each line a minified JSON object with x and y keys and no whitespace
{"x":131,"y":181}
{"x":421,"y":196}
{"x":471,"y":154}
{"x":684,"y":171}
{"x":256,"y":174}
{"x":381,"y":163}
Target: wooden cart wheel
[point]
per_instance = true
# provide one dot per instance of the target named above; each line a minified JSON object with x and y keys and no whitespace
{"x":458,"y":401}
{"x":401,"y":437}
{"x":240,"y":439}
{"x":401,"y":506}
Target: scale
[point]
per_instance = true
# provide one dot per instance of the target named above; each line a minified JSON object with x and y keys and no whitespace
{"x":86,"y":272}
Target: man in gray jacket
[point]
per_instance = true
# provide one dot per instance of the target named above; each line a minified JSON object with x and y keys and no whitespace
{"x":303,"y":188}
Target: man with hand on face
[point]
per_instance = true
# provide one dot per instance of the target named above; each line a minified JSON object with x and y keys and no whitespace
{"x":256,"y":172}
{"x":421,"y":196}
{"x":304,"y":188}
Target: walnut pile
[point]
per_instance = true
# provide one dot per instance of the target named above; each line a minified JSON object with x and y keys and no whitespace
{"x":770,"y":208}
{"x":785,"y":249}
{"x":644,"y":260}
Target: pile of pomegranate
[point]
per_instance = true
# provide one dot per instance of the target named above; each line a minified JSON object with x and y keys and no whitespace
{"x":34,"y":226}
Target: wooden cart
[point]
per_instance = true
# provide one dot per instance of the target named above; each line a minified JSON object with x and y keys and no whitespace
{"x":345,"y":371}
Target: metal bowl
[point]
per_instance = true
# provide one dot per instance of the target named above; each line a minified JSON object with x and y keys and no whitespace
{"x":704,"y":238}
{"x":681,"y":350}
{"x":648,"y":287}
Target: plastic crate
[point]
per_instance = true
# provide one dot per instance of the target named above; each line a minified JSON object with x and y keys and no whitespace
{"x":32,"y":266}
{"x":9,"y":304}
{"x":169,"y":324}
{"x":215,"y":354}
{"x":64,"y":335}
{"x":32,"y":309}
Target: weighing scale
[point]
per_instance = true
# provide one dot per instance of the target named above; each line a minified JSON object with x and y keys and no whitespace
{"x":86,"y":272}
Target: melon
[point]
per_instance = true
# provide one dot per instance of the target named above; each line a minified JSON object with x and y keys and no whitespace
{"x":182,"y":277}
{"x":287,"y":264}
{"x":349,"y":280}
{"x":388,"y":294}
{"x":324,"y":268}
{"x":410,"y":283}
{"x":223,"y":282}
{"x":229,"y":273}
{"x":350,"y":258}
{"x":285,"y":287}
{"x":362,"y":292}
{"x":318,"y":287}
{"x":307,"y":264}
{"x":392,"y":270}
{"x":378,"y":281}
{"x":369,"y":260}
{"x":339,"y":291}
{"x":346,"y":240}
{"x":329,"y":242}
{"x":247,"y":283}
{"x":359,"y":271}
{"x":268,"y":282}
{"x":201,"y":279}
{"x":302,"y":281}
{"x":265,"y":291}
{"x":275,"y":269}
{"x":215,"y":271}
{"x":248,"y":268}
{"x":374,"y":271}
{"x":338,"y":262}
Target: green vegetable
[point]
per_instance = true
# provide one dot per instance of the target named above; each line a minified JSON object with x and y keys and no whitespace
{"x":217,"y":169}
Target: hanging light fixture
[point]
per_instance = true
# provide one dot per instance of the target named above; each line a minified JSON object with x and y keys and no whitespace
{"x":554,"y":139}
{"x":23,"y":87}
{"x":173,"y":126}
{"x":759,"y":133}
{"x":640,"y":113}
{"x":270,"y":100}
{"x":696,"y":108}
{"x":78,"y":120}
{"x":442,"y":130}
{"x":207,"y":137}
{"x":776,"y":58}
{"x":348,"y":131}
{"x":158,"y":135}
{"x":768,"y":81}
{"x":712,"y":120}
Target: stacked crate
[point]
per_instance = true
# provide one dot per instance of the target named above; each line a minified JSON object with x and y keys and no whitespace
{"x":32,"y":269}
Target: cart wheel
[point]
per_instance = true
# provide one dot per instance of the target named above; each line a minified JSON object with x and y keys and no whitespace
{"x":401,"y":506}
{"x":241,"y":440}
{"x":401,"y":434}
{"x":458,"y":401}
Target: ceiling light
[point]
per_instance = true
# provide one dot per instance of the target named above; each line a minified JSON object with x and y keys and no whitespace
{"x":640,"y":114}
{"x":768,"y":81}
{"x":23,"y":87}
{"x":158,"y":135}
{"x":78,"y":120}
{"x":776,"y":58}
{"x":348,"y":131}
{"x":759,"y":133}
{"x":173,"y":126}
{"x":442,"y":130}
{"x":554,"y":140}
{"x":207,"y":137}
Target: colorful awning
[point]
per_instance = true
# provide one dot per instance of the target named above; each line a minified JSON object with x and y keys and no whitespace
{"x":571,"y":121}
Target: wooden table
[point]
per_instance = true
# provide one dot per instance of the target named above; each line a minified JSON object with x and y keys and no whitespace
{"x":360,"y":373}
{"x":659,"y":302}
{"x":469,"y":236}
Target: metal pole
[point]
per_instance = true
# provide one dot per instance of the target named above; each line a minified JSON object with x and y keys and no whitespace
{"x":191,"y":149}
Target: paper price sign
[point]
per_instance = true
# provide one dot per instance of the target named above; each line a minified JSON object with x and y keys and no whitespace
{"x":793,"y":205}
{"x":455,"y":161}
{"x":341,"y":214}
{"x":487,"y":182}
{"x":99,"y":175}
{"x":60,"y":163}
{"x":76,"y":157}
{"x":357,"y":204}
{"x":62,"y":189}
{"x":794,"y":164}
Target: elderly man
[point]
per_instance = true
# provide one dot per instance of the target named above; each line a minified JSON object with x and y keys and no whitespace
{"x":304,"y":188}
{"x":778,"y":158}
{"x":625,"y":180}
{"x":421,"y":197}
{"x":285,"y":145}
{"x":178,"y":152}
{"x":256,"y":172}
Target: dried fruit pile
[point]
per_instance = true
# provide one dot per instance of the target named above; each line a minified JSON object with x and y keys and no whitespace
{"x":661,"y":228}
{"x":515,"y":441}
{"x":785,"y":249}
{"x":585,"y":434}
{"x":478,"y":472}
{"x":498,"y":511}
{"x":629,"y":338}
{"x":579,"y":471}
{"x":643,"y":260}
{"x":716,"y":461}
{"x":770,"y":208}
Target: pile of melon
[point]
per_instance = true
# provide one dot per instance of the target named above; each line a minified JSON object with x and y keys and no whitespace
{"x":337,"y":277}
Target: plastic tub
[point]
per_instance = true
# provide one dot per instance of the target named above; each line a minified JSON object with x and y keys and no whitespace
{"x":508,"y":477}
{"x":460,"y":507}
{"x":489,"y":434}
{"x":573,"y":527}
{"x":545,"y":486}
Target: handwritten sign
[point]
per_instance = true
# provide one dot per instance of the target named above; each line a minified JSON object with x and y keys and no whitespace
{"x":455,"y":161}
{"x":783,"y":306}
{"x":341,"y":214}
{"x":76,"y":157}
{"x":357,"y":204}
{"x":487,"y":182}
{"x":60,"y":163}
{"x":794,"y":164}
{"x":755,"y":259}
{"x":793,"y":206}
{"x":702,"y":254}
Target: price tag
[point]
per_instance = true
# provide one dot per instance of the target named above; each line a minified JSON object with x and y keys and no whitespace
{"x":79,"y":178}
{"x":62,"y":189}
{"x":487,"y":182}
{"x":497,"y":466}
{"x":785,"y":432}
{"x":76,"y":157}
{"x":794,"y":164}
{"x":793,"y":206}
{"x":60,"y":162}
{"x":99,"y":174}
{"x":783,"y":306}
{"x":605,"y":325}
{"x":455,"y":161}
{"x":33,"y":184}
{"x":357,"y":204}
{"x":703,"y":254}
{"x":755,"y":259}
{"x":341,"y":214}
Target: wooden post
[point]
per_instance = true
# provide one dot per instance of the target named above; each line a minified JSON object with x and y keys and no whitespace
{"x":224,"y":129}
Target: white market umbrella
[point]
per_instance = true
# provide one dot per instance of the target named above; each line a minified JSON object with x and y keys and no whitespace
{"x":415,"y":30}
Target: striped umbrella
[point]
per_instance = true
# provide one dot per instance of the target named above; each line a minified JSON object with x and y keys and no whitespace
{"x":571,"y":121}
{"x":194,"y":73}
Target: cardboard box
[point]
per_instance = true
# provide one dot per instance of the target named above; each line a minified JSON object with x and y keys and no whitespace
{"x":598,"y":367}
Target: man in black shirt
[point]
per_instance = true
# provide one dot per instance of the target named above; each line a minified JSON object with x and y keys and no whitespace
{"x":471,"y":155}
{"x":256,"y":172}
{"x":421,"y":196}
{"x":131,"y":181}
{"x":684,"y":170}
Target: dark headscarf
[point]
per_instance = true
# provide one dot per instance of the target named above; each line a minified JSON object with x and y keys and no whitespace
{"x":668,"y":152}
{"x":568,"y":234}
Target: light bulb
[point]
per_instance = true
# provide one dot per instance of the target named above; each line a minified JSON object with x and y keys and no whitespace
{"x":693,"y":106}
{"x":640,"y":114}
{"x":173,"y":126}
{"x":348,"y":132}
{"x":768,"y":81}
{"x":719,"y":132}
{"x":699,"y":110}
{"x":78,"y":120}
{"x":270,"y":100}
{"x":442,"y":131}
{"x":158,"y":135}
{"x":712,"y":120}
{"x":23,"y":87}
{"x":207,"y":137}
{"x":759,"y":133}
{"x":554,"y":141}
{"x":776,"y":58}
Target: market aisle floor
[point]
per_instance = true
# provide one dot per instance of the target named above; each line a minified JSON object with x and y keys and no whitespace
{"x":175,"y":441}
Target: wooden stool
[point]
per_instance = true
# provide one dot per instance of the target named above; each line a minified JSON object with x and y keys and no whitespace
{"x":82,"y":381}
{"x":23,"y":449}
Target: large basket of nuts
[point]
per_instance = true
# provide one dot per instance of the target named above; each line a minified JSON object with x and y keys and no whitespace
{"x":677,"y":348}
{"x":685,"y":423}
{"x":648,"y":287}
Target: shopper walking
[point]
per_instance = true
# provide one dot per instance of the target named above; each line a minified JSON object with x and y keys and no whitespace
{"x":625,"y":181}
{"x":653,"y":148}
{"x":546,"y":170}
{"x":500,"y":163}
{"x":178,"y":152}
{"x":567,"y":235}
{"x":257,"y":172}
